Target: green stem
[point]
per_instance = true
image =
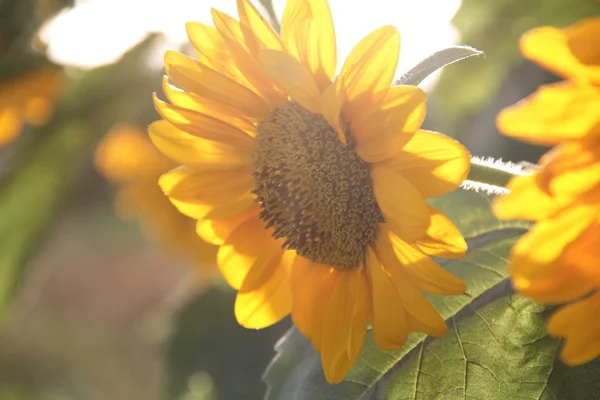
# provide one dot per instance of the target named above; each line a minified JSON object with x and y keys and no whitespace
{"x":493,"y":174}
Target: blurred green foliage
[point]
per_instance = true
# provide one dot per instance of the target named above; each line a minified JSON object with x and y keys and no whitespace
{"x":495,"y":27}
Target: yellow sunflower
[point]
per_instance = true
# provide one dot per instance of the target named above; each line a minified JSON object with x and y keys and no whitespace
{"x":557,"y":261}
{"x":28,"y":99}
{"x":312,"y":184}
{"x":127,"y":158}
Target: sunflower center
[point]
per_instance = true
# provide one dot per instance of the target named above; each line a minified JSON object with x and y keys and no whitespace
{"x":314,"y":191}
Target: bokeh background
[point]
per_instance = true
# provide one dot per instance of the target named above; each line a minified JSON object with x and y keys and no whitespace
{"x":105,"y":291}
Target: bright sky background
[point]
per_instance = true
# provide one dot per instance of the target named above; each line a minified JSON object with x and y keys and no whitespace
{"x":97,"y":32}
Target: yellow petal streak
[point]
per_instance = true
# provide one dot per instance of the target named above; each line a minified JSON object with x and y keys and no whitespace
{"x":442,"y":238}
{"x":292,"y":77}
{"x":307,"y":33}
{"x":250,"y":17}
{"x":369,"y":69}
{"x":402,"y":205}
{"x":390,"y":326}
{"x":433,"y":163}
{"x":265,"y":297}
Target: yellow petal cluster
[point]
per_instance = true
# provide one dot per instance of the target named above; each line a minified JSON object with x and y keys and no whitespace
{"x":244,"y":79}
{"x":127,"y":159}
{"x":27,"y":99}
{"x":558,"y":261}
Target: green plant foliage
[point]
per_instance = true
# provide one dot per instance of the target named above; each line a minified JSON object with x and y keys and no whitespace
{"x":495,"y":28}
{"x":496,"y":348}
{"x":38,"y":175}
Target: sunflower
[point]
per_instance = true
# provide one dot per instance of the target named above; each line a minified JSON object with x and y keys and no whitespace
{"x":127,"y":158}
{"x":312,"y":184}
{"x":27,"y":99}
{"x":557,"y":261}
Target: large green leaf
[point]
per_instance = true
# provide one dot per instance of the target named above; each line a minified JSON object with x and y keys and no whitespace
{"x":496,"y":347}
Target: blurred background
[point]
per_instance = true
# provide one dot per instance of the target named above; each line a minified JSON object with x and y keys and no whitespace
{"x":105,"y":290}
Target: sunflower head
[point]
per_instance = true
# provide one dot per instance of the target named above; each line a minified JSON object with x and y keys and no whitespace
{"x":311,"y":179}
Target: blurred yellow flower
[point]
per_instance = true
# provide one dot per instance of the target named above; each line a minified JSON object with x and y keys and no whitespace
{"x":313,"y":185}
{"x":127,"y":158}
{"x":27,"y":99}
{"x":558,"y":260}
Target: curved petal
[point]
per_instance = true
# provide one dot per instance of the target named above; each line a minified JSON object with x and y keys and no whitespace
{"x":249,"y":245}
{"x":442,"y":238}
{"x":216,"y":231}
{"x":208,"y":83}
{"x":423,"y":315}
{"x":369,"y":70}
{"x":540,"y":248}
{"x":402,"y":205}
{"x":209,"y":46}
{"x":231,"y":28}
{"x":433,"y":163}
{"x":193,"y":102}
{"x":559,"y":286}
{"x":572,"y":168}
{"x":336,"y":332}
{"x":402,"y":110}
{"x":250,"y":17}
{"x":382,"y":147}
{"x":265,"y":297}
{"x":583,"y":254}
{"x":306,"y":281}
{"x":572,"y":52}
{"x":390,"y":327}
{"x":184,"y":148}
{"x":307,"y":34}
{"x":554,"y":113}
{"x":423,"y":271}
{"x":525,"y":191}
{"x":202,"y":125}
{"x":209,"y":187}
{"x":292,"y":77}
{"x":360,"y":315}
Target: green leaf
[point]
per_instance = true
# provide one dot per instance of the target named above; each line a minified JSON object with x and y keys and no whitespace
{"x":437,"y":60}
{"x":496,"y":346}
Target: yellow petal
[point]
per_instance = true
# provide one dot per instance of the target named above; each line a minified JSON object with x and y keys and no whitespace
{"x":208,"y":83}
{"x":336,"y":332}
{"x":433,"y":163}
{"x":209,"y":187}
{"x":247,"y":245}
{"x":423,"y":271}
{"x":558,"y":286}
{"x":317,"y":317}
{"x":542,"y":246}
{"x":307,"y":33}
{"x":259,"y":81}
{"x":184,"y":148}
{"x":231,"y":28}
{"x":211,"y":50}
{"x":554,"y":113}
{"x":332,"y":101}
{"x":292,"y":77}
{"x":572,"y":168}
{"x":369,"y":69}
{"x":402,"y":110}
{"x":250,"y":17}
{"x":382,"y":147}
{"x":442,"y":238}
{"x":190,"y":101}
{"x":584,"y":252}
{"x":268,"y":299}
{"x":202,"y":125}
{"x":403,"y":207}
{"x":216,"y":231}
{"x":360,"y":315}
{"x":572,"y":52}
{"x":423,"y":315}
{"x":525,"y":191}
{"x":390,"y":328}
{"x":306,"y":281}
